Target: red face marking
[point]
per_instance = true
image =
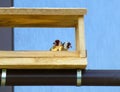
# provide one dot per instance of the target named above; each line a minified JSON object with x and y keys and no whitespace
{"x":57,"y":42}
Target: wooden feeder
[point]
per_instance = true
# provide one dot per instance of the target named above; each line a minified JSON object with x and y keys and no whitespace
{"x":45,"y":17}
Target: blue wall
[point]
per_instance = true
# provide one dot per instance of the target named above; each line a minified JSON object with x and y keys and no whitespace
{"x":102,"y":30}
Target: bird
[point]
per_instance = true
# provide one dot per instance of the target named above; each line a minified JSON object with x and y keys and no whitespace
{"x":66,"y":46}
{"x":57,"y":46}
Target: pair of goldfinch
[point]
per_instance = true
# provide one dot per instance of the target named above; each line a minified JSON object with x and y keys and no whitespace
{"x":59,"y":46}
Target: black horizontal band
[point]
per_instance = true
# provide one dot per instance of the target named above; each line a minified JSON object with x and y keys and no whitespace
{"x":62,"y":77}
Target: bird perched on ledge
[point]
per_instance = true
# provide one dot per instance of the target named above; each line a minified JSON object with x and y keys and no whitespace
{"x":58,"y":46}
{"x":66,"y":46}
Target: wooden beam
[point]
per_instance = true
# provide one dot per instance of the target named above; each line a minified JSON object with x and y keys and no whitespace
{"x":43,"y":63}
{"x":43,"y":11}
{"x":80,"y":37}
{"x":40,"y":17}
{"x":37,"y":21}
{"x":41,"y":60}
{"x":42,"y":54}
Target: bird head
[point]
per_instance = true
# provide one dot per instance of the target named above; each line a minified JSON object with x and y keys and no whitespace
{"x":57,"y":43}
{"x":67,"y":45}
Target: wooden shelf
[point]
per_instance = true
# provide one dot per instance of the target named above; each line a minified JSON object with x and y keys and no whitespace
{"x":43,"y":63}
{"x":45,"y":17}
{"x":40,"y":17}
{"x":41,"y":60}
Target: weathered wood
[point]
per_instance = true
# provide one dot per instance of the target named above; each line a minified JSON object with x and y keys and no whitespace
{"x":40,"y":17}
{"x":80,"y":39}
{"x":30,"y":54}
{"x":43,"y":63}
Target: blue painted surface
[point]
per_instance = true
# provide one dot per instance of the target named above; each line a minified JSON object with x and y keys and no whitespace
{"x":102,"y":30}
{"x":42,"y":38}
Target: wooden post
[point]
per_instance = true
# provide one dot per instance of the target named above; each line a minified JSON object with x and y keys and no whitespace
{"x":80,"y":39}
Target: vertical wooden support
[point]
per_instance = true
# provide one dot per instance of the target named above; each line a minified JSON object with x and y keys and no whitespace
{"x":80,"y":39}
{"x":6,"y":40}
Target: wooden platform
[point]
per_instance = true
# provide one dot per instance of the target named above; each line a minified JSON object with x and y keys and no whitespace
{"x":40,"y":17}
{"x":45,"y":17}
{"x":41,"y":60}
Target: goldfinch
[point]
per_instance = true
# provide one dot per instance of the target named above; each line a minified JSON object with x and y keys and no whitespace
{"x":66,"y":46}
{"x":57,"y":46}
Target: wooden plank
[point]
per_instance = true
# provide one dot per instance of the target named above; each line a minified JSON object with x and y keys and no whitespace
{"x":42,"y":11}
{"x":37,"y":21}
{"x":43,"y":63}
{"x":80,"y":37}
{"x":40,"y":17}
{"x":23,"y":54}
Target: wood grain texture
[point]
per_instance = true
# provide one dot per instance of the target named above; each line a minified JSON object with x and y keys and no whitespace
{"x":80,"y":37}
{"x":43,"y":63}
{"x":40,"y":17}
{"x":41,"y":60}
{"x":43,"y":54}
{"x":43,"y":11}
{"x":22,"y":17}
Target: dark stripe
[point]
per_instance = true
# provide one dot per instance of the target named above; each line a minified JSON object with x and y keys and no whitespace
{"x":63,"y":77}
{"x":6,"y":3}
{"x":101,"y":78}
{"x":41,"y":77}
{"x":6,"y":41}
{"x":0,"y":77}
